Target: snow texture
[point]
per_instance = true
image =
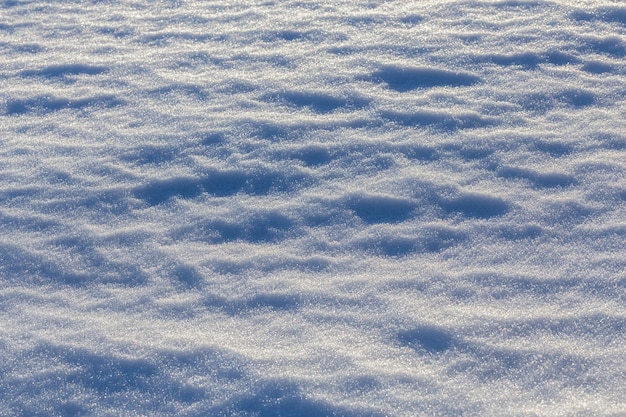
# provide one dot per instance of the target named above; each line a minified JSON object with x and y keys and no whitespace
{"x":312,"y":208}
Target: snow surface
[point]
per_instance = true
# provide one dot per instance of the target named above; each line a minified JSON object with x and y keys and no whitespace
{"x":350,"y":208}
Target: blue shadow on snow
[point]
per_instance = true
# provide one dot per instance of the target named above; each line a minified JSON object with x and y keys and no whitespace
{"x":606,"y":14}
{"x":315,"y":101}
{"x":437,"y":120}
{"x":430,"y":339}
{"x":60,"y":71}
{"x":429,"y":240}
{"x":233,"y":307}
{"x":474,"y":205}
{"x":190,"y":90}
{"x":260,"y":227}
{"x":109,"y":375}
{"x":381,"y":209}
{"x":313,"y":155}
{"x":278,"y":398}
{"x":527,"y":60}
{"x":539,"y":180}
{"x":403,"y":79}
{"x":49,"y":104}
{"x":610,"y":45}
{"x":598,"y":67}
{"x":217,"y":183}
{"x":540,"y":102}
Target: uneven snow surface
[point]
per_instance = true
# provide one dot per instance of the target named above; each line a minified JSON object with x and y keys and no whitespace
{"x":312,"y":208}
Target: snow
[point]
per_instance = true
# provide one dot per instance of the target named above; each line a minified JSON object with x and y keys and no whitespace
{"x":312,"y":208}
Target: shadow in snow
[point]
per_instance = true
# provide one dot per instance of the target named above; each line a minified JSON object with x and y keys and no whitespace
{"x":276,"y":302}
{"x":293,"y":35}
{"x":112,"y":201}
{"x":107,"y":374}
{"x":429,"y":240}
{"x":526,"y":4}
{"x":524,"y":60}
{"x":149,"y":154}
{"x":271,"y":265}
{"x":217,"y":183}
{"x":282,"y":398}
{"x":307,"y":264}
{"x":403,"y":79}
{"x":560,"y":58}
{"x":527,"y":60}
{"x":73,"y":260}
{"x":22,"y":48}
{"x":88,"y":256}
{"x":232,"y":267}
{"x":540,"y":102}
{"x":598,"y":67}
{"x":361,"y":384}
{"x":313,"y":155}
{"x":165,"y":39}
{"x":317,"y":102}
{"x":381,"y":209}
{"x":531,"y":368}
{"x":49,"y":104}
{"x":106,"y":381}
{"x":426,"y":339}
{"x":611,"y":45}
{"x":190,"y":90}
{"x":538,"y":180}
{"x":582,"y":15}
{"x":597,"y":325}
{"x":471,"y":151}
{"x":436,"y":239}
{"x":474,"y":205}
{"x":70,"y":260}
{"x":553,"y":148}
{"x":417,"y":152}
{"x":260,"y":227}
{"x":118,"y":32}
{"x":392,"y":246}
{"x":411,"y":19}
{"x":221,"y":365}
{"x":187,"y":277}
{"x":502,"y":286}
{"x":438,"y":120}
{"x":613,"y":14}
{"x":272,"y":130}
{"x":566,"y":212}
{"x":576,"y":98}
{"x":60,"y":71}
{"x":362,"y":20}
{"x":212,"y":138}
{"x":519,"y":232}
{"x":30,"y":223}
{"x":606,"y":14}
{"x":17,"y":263}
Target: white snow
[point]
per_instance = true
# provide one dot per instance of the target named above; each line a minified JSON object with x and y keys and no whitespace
{"x":308,"y":208}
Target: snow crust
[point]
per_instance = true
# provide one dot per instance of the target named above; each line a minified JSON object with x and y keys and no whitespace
{"x":308,"y":208}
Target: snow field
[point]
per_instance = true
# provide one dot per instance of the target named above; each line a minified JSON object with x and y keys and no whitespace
{"x":300,"y":208}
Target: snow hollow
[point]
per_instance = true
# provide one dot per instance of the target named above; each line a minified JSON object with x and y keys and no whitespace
{"x":310,"y":208}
